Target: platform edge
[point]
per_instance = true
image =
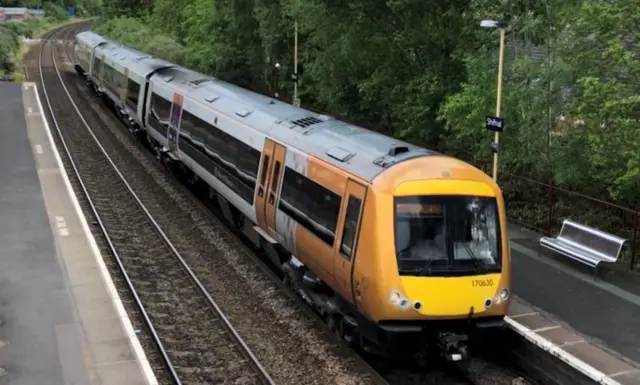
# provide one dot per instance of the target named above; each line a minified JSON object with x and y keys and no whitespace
{"x":556,"y":351}
{"x":141,"y":357}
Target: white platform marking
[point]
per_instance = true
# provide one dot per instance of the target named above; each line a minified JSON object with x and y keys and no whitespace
{"x":38,"y":149}
{"x":61,"y":224}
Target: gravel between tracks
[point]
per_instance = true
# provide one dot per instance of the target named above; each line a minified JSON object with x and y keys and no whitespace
{"x":282,"y":337}
{"x":193,"y":335}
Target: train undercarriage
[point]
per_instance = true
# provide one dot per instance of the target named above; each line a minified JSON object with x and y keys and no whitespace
{"x":394,"y":340}
{"x":454,"y":341}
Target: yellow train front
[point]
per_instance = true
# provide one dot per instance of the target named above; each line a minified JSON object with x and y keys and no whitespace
{"x":433,"y":262}
{"x":431,"y":267}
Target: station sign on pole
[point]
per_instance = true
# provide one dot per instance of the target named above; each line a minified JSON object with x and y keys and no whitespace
{"x":494,"y":123}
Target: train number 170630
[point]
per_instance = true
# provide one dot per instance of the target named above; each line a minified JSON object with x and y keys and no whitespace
{"x":482,"y":282}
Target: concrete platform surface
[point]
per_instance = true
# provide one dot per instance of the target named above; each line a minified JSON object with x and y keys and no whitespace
{"x":593,"y":325}
{"x":62,"y":319}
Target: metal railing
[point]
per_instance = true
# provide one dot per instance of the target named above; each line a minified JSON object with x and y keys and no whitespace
{"x":541,"y":207}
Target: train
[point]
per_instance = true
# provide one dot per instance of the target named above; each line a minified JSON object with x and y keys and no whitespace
{"x":400,"y":249}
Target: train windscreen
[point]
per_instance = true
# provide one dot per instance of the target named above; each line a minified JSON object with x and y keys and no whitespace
{"x":447,"y":235}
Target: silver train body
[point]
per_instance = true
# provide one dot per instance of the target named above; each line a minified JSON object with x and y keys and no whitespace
{"x":223,"y":128}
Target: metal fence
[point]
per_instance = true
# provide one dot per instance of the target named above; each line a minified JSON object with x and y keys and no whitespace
{"x":542,"y":207}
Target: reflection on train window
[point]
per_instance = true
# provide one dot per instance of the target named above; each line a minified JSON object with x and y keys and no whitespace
{"x":83,"y":57}
{"x":161,"y":107}
{"x":230,"y":160}
{"x":276,"y":177}
{"x":350,"y":227}
{"x":447,"y":235}
{"x":311,"y":205}
{"x":265,"y":166}
{"x":97,"y":67}
{"x":112,"y":79}
{"x":133,"y":90}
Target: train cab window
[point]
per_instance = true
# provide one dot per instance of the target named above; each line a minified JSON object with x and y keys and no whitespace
{"x":276,"y":175}
{"x":447,"y":235}
{"x":349,"y":233}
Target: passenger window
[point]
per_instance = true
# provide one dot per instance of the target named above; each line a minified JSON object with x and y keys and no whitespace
{"x":265,"y":165}
{"x":311,"y":205}
{"x":276,"y":174}
{"x":350,"y":227}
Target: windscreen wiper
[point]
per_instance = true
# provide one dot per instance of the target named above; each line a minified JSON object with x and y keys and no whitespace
{"x":476,"y":261}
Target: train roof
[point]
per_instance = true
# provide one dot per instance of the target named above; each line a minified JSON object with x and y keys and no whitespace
{"x":361,"y":152}
{"x":89,"y":38}
{"x":136,"y":61}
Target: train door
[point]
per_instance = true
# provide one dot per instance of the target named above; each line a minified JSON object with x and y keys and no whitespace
{"x":265,"y":172}
{"x":173,"y":129}
{"x":268,"y":189}
{"x":348,"y":230}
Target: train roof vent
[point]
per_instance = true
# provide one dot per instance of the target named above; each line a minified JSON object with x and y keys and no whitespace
{"x":168,"y":78}
{"x":244,"y":113}
{"x":211,"y":98}
{"x":340,"y":154}
{"x":396,"y":150}
{"x":142,"y":57}
{"x":306,"y":122}
{"x":197,"y":82}
{"x":384,"y":161}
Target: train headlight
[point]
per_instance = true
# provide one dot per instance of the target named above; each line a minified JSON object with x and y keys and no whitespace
{"x":394,"y":297}
{"x":504,"y":294}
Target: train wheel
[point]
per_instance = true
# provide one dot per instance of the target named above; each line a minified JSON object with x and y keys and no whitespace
{"x":287,"y":281}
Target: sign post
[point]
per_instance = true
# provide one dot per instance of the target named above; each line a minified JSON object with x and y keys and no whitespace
{"x":496,"y":122}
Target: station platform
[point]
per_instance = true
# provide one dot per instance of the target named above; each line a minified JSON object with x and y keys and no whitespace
{"x":62,"y":321}
{"x":593,"y":325}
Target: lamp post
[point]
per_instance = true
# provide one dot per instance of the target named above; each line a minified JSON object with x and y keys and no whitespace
{"x":277,"y":80}
{"x":294,"y":77}
{"x":501,"y":25}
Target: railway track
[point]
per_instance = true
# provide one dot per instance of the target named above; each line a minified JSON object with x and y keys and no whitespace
{"x":170,"y":201}
{"x":171,"y":299}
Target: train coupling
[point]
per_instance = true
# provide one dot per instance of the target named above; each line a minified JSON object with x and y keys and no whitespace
{"x":453,"y":347}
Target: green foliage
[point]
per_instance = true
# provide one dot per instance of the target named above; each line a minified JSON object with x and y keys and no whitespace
{"x":9,"y":44}
{"x":55,"y":12}
{"x":134,"y":33}
{"x":427,"y":72}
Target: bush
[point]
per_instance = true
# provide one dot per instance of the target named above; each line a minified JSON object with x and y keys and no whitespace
{"x":133,"y":33}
